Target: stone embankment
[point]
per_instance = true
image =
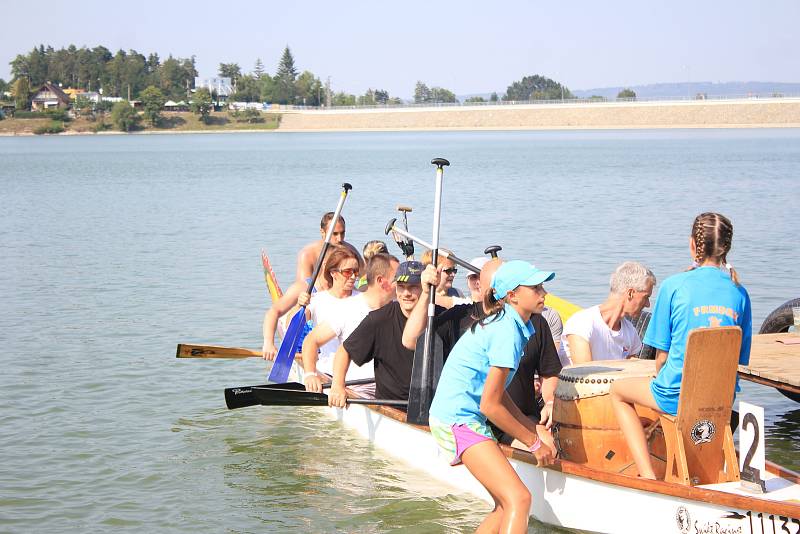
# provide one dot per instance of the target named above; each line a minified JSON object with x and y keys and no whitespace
{"x":749,"y":113}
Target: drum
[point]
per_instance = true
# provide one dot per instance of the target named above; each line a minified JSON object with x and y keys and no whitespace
{"x":585,"y":429}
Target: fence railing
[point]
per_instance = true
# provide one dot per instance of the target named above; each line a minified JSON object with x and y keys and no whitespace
{"x":591,"y":100}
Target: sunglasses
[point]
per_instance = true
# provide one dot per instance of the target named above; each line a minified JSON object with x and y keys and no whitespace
{"x":347,"y":273}
{"x":451,"y":270}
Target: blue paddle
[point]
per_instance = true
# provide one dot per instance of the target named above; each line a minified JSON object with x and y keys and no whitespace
{"x":283,"y":361}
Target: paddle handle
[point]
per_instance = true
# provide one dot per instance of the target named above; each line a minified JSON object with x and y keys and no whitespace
{"x":492,"y":250}
{"x":418,"y":408}
{"x":378,"y":402}
{"x":392,"y":227}
{"x":318,"y":266}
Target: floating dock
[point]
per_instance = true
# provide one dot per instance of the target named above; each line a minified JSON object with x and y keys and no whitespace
{"x":774,"y":361}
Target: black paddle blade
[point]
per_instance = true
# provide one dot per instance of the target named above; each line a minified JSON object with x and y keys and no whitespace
{"x":422,"y":388}
{"x":288,"y":397}
{"x":243,"y":396}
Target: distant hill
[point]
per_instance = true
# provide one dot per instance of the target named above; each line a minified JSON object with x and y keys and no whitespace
{"x":680,"y":90}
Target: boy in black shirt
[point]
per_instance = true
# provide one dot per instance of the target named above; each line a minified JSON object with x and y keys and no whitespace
{"x":379,"y":338}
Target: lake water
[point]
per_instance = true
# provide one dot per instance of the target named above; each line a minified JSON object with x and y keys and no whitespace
{"x":115,"y":248}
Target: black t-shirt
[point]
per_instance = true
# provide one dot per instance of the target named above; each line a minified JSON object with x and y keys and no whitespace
{"x":451,"y":324}
{"x":379,"y":337}
{"x":540,"y":356}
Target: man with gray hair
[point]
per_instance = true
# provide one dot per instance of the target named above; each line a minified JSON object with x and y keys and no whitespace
{"x":605,"y":332}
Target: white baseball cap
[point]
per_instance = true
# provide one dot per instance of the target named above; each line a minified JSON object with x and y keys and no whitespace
{"x":478,"y":263}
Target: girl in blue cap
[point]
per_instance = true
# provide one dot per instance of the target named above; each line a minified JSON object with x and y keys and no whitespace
{"x":709,"y":294}
{"x":472,"y":390}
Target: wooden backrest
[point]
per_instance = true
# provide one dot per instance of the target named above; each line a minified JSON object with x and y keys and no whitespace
{"x":707,"y":388}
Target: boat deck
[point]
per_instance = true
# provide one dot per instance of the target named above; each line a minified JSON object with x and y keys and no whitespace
{"x":778,"y":489}
{"x":774,"y":361}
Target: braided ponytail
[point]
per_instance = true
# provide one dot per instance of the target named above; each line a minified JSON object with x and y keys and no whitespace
{"x":713,"y":237}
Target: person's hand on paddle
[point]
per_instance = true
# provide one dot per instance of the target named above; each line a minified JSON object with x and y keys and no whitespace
{"x":303,"y":299}
{"x":430,"y":277}
{"x":337,"y":396}
{"x":313,"y":382}
{"x":547,"y":415}
{"x":269,"y":351}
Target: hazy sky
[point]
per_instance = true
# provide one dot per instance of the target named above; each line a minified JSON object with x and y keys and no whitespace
{"x":467,"y":47}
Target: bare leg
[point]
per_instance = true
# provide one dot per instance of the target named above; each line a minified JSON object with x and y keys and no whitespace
{"x":624,"y":393}
{"x":488,"y":464}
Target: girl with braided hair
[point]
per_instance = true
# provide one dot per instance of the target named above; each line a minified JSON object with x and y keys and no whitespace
{"x":709,"y":294}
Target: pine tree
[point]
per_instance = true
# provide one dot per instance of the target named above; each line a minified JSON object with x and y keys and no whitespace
{"x":258,"y":70}
{"x":285,"y":78}
{"x":286,"y":69}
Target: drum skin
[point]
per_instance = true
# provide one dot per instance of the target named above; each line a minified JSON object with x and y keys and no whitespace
{"x":585,"y":428}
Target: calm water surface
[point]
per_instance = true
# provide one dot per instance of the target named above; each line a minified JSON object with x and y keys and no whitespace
{"x":115,"y":248}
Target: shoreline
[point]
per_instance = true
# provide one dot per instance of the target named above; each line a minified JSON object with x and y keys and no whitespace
{"x":697,"y":114}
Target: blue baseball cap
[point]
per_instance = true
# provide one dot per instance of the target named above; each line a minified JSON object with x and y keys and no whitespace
{"x":409,"y":272}
{"x":518,"y":273}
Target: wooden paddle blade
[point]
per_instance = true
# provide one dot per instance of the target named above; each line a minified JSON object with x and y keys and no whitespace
{"x":283,"y":361}
{"x":288,"y":397}
{"x":418,"y":401}
{"x":186,"y":350}
{"x":242,"y":397}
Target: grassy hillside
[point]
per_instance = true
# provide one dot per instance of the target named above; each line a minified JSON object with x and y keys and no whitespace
{"x":172,"y":122}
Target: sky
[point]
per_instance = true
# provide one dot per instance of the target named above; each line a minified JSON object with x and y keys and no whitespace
{"x":467,"y":47}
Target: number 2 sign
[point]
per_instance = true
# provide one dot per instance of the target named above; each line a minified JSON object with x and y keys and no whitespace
{"x":751,"y":446}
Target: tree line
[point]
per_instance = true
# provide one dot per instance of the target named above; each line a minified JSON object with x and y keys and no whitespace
{"x":129,"y":74}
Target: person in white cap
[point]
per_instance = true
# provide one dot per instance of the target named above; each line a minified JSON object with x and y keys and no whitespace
{"x":474,"y":279}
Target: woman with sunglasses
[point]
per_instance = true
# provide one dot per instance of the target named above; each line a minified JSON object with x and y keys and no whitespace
{"x":341,"y":273}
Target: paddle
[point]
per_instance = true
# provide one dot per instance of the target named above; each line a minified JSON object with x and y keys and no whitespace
{"x":212,"y":351}
{"x":392,"y":227}
{"x":492,"y":250}
{"x":274,"y":289}
{"x":293,"y":397}
{"x":406,"y":245}
{"x":243,"y":396}
{"x":421,"y":393}
{"x":283,"y":361}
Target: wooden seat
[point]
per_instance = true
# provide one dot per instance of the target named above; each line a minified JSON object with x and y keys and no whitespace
{"x":699,"y":439}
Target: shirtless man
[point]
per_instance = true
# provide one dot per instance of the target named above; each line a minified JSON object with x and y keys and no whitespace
{"x":605,"y":332}
{"x":296,"y":293}
{"x":380,"y":291}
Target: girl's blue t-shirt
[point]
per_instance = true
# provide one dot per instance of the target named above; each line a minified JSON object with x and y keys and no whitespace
{"x":702,"y":297}
{"x":497,"y":344}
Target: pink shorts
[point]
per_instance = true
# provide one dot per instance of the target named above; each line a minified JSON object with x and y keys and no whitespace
{"x":458,"y":437}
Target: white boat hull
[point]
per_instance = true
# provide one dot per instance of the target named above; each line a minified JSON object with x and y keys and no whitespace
{"x":564,"y":499}
{"x":578,"y":501}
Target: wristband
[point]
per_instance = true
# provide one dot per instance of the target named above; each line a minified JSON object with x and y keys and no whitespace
{"x":548,"y":402}
{"x":536,"y":445}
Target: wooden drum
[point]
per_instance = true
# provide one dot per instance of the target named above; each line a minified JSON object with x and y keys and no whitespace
{"x":585,"y":428}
